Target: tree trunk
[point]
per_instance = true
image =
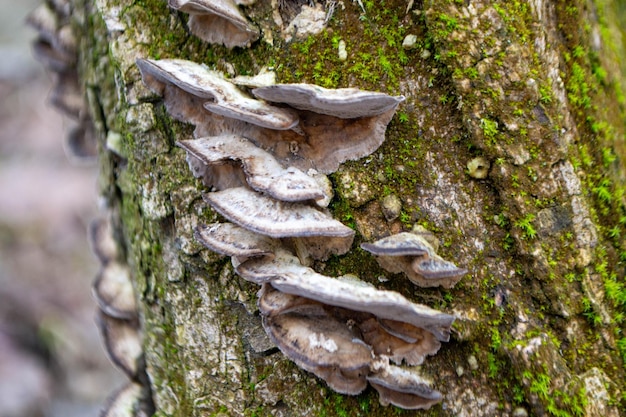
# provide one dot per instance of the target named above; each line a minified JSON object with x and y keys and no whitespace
{"x":528,"y":92}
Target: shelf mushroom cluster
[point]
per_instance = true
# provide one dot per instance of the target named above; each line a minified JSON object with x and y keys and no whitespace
{"x":414,"y":254}
{"x":119,"y":325}
{"x":263,"y":156}
{"x":56,"y":49}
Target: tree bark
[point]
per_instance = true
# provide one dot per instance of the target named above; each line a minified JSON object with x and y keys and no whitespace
{"x":533,"y":88}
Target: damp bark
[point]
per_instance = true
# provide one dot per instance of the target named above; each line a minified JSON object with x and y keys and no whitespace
{"x":534,"y":88}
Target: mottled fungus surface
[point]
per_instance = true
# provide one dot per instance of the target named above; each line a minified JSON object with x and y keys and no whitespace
{"x":264,"y":215}
{"x":414,"y":255}
{"x":345,"y":103}
{"x":262,"y":171}
{"x":287,"y":275}
{"x":403,"y":388}
{"x":235,"y":241}
{"x":217,"y":21}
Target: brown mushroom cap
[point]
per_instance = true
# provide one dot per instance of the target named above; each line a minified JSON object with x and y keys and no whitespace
{"x":263,"y":173}
{"x":403,"y":389}
{"x":123,"y":344}
{"x":345,"y":103}
{"x":217,"y":21}
{"x":264,"y":215}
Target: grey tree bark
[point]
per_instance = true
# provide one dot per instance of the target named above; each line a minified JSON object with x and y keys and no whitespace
{"x":528,"y":92}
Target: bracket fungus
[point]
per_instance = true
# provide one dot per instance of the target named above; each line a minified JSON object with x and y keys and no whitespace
{"x":403,"y":389}
{"x":56,"y":49}
{"x":315,"y":138}
{"x":123,"y":403}
{"x":261,"y":163}
{"x":288,"y":275}
{"x":267,"y":216}
{"x":231,"y":240}
{"x":345,"y":103}
{"x":330,"y":333}
{"x":113,"y":291}
{"x":218,"y":21}
{"x":118,"y":320}
{"x":262,"y":172}
{"x":122,"y":342}
{"x":412,"y":254}
{"x":220,"y":95}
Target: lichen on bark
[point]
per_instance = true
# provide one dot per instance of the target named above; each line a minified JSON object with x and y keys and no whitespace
{"x":532,"y":87}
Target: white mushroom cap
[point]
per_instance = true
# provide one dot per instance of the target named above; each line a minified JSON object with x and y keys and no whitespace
{"x":345,"y":103}
{"x":400,"y":244}
{"x":221,"y":96}
{"x":403,"y":388}
{"x":263,"y":172}
{"x":272,"y":302}
{"x":123,"y":344}
{"x":286,"y":274}
{"x":232,"y":240}
{"x":129,"y":401}
{"x":217,"y":21}
{"x":101,"y":240}
{"x":114,"y":292}
{"x":413,"y":254}
{"x":264,"y":215}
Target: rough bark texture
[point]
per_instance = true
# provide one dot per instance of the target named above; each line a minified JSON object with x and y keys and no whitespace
{"x":532,"y":86}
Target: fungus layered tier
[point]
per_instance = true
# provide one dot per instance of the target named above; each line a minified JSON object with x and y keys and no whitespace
{"x":118,"y":321}
{"x":413,"y":255}
{"x":261,"y":163}
{"x":56,"y":49}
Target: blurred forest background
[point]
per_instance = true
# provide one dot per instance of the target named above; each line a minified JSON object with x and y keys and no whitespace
{"x":51,"y":359}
